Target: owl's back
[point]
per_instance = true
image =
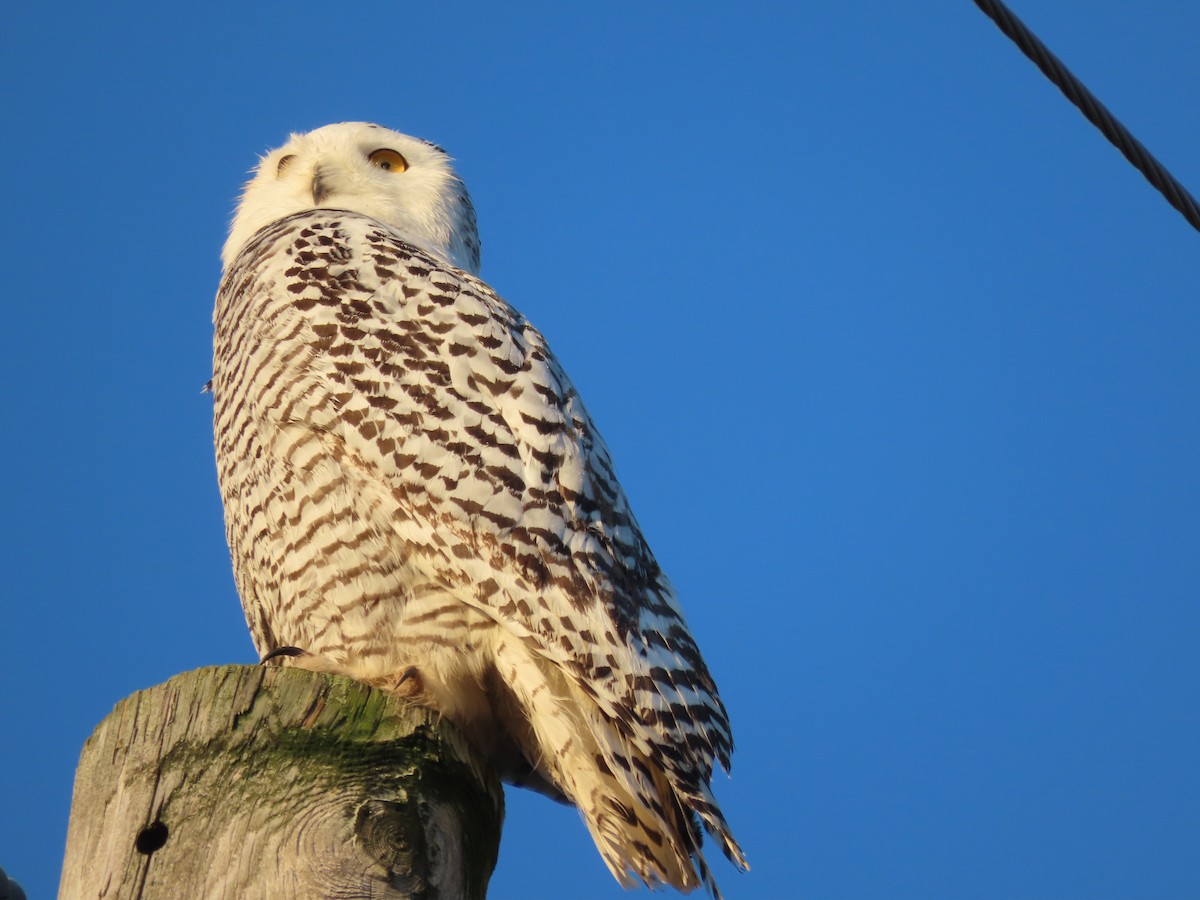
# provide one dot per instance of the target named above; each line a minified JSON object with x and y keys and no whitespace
{"x":415,"y":496}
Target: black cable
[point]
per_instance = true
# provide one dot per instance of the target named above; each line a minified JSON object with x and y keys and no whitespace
{"x":1093,"y":109}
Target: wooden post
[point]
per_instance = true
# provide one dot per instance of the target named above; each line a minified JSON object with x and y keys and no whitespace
{"x":266,"y":782}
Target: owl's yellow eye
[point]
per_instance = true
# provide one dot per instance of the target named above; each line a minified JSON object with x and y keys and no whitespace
{"x":283,"y":164}
{"x":387,"y":159}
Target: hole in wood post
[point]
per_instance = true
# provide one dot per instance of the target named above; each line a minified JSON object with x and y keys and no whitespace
{"x":151,"y":838}
{"x":391,"y":833}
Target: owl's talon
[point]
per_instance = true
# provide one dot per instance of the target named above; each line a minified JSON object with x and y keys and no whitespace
{"x":281,"y":651}
{"x":411,"y":684}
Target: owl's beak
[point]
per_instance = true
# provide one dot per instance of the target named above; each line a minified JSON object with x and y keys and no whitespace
{"x":320,"y":188}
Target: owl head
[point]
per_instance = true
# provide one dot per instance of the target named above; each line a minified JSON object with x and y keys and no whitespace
{"x":404,"y":182}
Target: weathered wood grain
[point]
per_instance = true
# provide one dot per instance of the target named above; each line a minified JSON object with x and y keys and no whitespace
{"x":251,"y":782}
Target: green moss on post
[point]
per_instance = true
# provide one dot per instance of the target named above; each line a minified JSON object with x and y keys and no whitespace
{"x":249,"y":782}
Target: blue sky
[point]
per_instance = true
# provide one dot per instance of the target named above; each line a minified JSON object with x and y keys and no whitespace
{"x":896,"y":356}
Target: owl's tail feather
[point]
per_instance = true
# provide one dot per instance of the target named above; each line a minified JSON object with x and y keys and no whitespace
{"x":645,"y":827}
{"x":701,"y":803}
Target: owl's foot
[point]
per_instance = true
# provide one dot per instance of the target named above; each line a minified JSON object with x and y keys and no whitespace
{"x":280,"y":652}
{"x":408,"y":683}
{"x":302,"y":659}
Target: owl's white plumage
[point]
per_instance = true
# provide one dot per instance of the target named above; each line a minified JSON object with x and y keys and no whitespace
{"x":433,"y":211}
{"x":416,"y":496}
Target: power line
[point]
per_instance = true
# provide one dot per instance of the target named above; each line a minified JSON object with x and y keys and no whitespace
{"x":1095,"y":111}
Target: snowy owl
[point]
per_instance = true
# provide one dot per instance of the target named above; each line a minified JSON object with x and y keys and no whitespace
{"x":415,"y":496}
